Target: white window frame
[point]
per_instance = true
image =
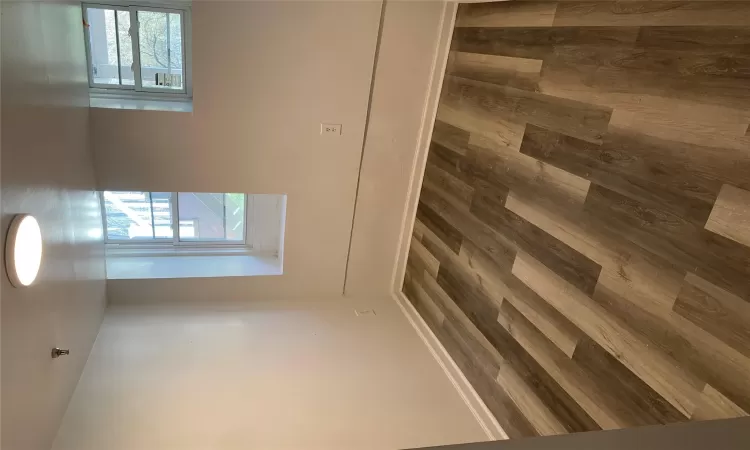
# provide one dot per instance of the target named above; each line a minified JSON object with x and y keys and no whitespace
{"x":138,"y":90}
{"x":175,"y":242}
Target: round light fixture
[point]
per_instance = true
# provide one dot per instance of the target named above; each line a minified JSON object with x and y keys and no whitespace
{"x":23,"y":250}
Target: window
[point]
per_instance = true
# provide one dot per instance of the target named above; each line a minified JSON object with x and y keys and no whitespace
{"x":137,"y":50}
{"x":175,"y":218}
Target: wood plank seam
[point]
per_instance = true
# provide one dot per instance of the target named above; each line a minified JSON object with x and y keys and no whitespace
{"x":582,"y":247}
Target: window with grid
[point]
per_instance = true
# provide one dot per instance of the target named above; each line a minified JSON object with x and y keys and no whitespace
{"x":137,"y":50}
{"x":175,"y":218}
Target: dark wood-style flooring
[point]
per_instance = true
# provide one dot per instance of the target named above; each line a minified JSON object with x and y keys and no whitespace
{"x":582,"y":243}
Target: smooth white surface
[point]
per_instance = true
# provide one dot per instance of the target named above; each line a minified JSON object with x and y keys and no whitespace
{"x":482,"y":414}
{"x":265,"y":375}
{"x":408,"y":48}
{"x":47,"y":171}
{"x":265,"y":76}
{"x":266,"y":223}
{"x":401,"y":120}
{"x":23,"y":250}
{"x":420,"y":159}
{"x":144,"y":267}
{"x":492,"y":429}
{"x":136,"y":104}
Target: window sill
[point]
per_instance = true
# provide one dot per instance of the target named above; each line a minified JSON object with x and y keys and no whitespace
{"x":108,"y":102}
{"x":124,"y":266}
{"x":135,"y":251}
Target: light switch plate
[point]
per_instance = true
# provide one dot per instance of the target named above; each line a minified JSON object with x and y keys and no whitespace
{"x":331,"y":129}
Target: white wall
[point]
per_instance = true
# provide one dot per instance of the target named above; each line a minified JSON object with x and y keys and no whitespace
{"x":266,"y":375}
{"x":256,"y":129}
{"x":265,"y":75}
{"x":407,"y":57}
{"x":266,"y":219}
{"x":277,"y":373}
{"x":47,"y":171}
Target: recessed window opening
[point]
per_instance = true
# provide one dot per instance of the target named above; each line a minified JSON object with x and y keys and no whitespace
{"x":137,"y":51}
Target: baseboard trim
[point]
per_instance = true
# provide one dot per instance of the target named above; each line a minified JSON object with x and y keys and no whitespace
{"x":479,"y":410}
{"x":429,"y":113}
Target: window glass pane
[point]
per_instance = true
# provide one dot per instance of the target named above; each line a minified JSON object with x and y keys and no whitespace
{"x":160,"y":35}
{"x":103,"y":45}
{"x":162,"y":204}
{"x":128,"y":215}
{"x":235,"y":216}
{"x":126,"y":48}
{"x":211,"y":216}
{"x":175,"y":45}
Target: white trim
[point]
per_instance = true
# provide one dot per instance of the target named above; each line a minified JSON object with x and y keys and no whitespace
{"x":481,"y":413}
{"x":478,"y":409}
{"x":429,"y":113}
{"x":192,"y":266}
{"x":168,"y":4}
{"x":187,"y":49}
{"x":135,"y":46}
{"x":124,"y":99}
{"x":127,"y":94}
{"x":135,"y":251}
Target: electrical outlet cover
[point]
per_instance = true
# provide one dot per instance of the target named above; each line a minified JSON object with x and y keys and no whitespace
{"x":333,"y":129}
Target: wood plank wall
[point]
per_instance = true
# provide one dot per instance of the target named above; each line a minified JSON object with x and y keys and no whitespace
{"x":582,"y":243}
